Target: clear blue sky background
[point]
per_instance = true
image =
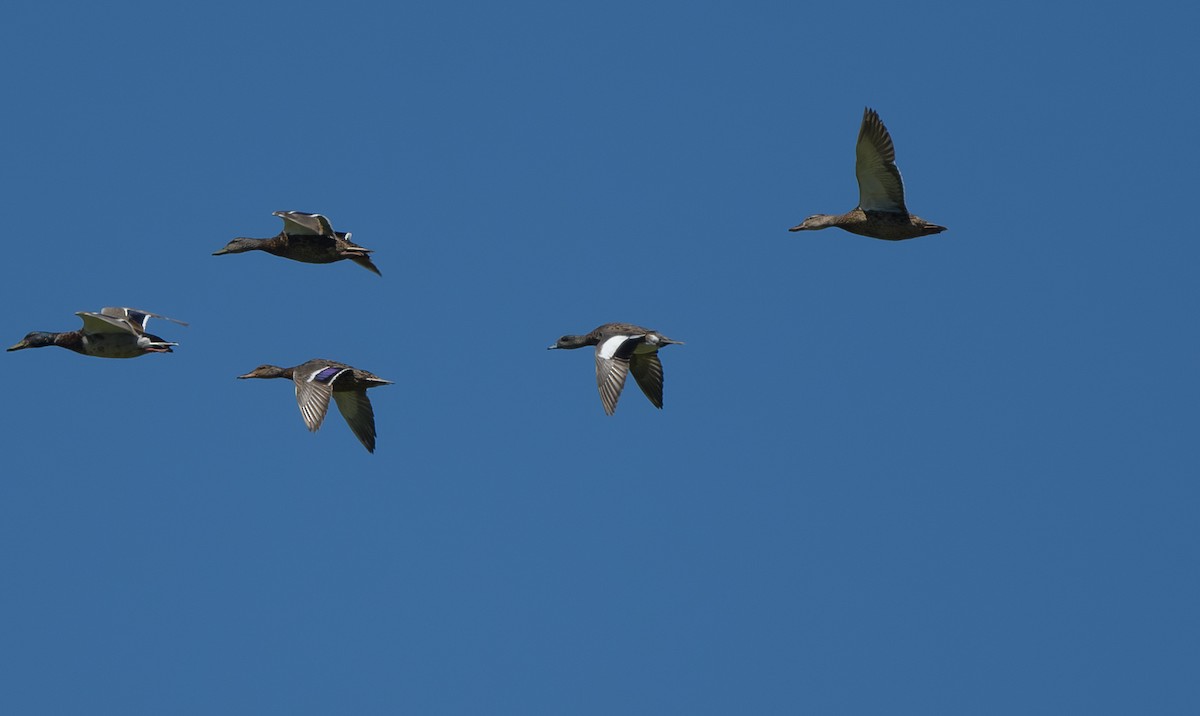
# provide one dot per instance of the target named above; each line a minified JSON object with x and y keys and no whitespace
{"x":956,"y":475}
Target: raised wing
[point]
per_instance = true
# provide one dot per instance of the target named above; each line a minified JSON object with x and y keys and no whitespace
{"x":101,"y":323}
{"x":300,"y":223}
{"x":136,"y":316}
{"x":880,"y":187}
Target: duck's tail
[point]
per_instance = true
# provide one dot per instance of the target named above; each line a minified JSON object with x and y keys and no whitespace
{"x":365,"y":261}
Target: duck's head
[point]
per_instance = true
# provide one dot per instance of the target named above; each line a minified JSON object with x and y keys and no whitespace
{"x":239,"y":245}
{"x":816,"y":221}
{"x":36,"y":339}
{"x":569,"y":342}
{"x":266,"y":371}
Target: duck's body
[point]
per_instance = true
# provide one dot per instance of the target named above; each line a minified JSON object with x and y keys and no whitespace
{"x":113,"y":332}
{"x":622,"y":348}
{"x":308,"y":238}
{"x":317,"y":381}
{"x":881,"y":212}
{"x":885,"y":225}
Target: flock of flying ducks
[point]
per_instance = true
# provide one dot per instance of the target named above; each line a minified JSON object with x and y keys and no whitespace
{"x":621,"y":348}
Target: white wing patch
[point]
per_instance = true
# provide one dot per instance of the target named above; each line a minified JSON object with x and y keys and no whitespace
{"x":609,"y":347}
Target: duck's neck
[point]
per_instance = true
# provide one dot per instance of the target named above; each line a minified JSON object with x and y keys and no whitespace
{"x":270,"y":245}
{"x":590,"y":339}
{"x":71,"y":340}
{"x":279,"y":373}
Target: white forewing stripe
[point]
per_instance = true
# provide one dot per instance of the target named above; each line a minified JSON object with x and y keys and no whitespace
{"x":610,"y":346}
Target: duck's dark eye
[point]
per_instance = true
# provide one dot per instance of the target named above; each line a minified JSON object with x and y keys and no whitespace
{"x":562,"y":339}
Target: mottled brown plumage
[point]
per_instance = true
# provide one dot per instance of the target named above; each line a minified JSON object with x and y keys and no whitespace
{"x":308,"y":238}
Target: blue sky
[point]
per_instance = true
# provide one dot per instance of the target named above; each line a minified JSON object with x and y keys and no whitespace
{"x":950,"y":475}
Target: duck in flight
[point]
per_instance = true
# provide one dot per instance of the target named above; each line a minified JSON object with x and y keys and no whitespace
{"x":309,"y":238}
{"x":622,"y":348}
{"x":317,"y":381}
{"x":111,"y":332}
{"x":881,"y":212}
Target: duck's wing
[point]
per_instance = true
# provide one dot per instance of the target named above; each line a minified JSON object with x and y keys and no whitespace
{"x":299,"y":223}
{"x":313,"y":389}
{"x":880,"y":187}
{"x":647,"y":371}
{"x":136,"y":316}
{"x":94,"y":322}
{"x":612,"y":365}
{"x":355,"y":407}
